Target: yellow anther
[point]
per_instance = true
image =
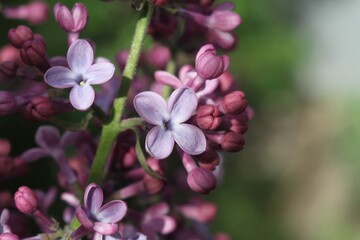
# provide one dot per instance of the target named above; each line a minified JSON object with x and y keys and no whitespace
{"x":82,"y":83}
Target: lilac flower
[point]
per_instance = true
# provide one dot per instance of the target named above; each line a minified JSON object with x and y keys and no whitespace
{"x":4,"y":217}
{"x":81,"y":74}
{"x":95,"y":217}
{"x":169,"y":119}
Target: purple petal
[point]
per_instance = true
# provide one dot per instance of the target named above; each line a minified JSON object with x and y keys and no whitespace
{"x":226,"y":6}
{"x":34,"y":154}
{"x":70,"y":138}
{"x":83,"y":218}
{"x":105,"y":228}
{"x":190,"y":138}
{"x":82,"y":97}
{"x":80,"y":56}
{"x":184,"y":73}
{"x":224,"y":21}
{"x":99,"y":73}
{"x":93,"y":198}
{"x":225,"y":40}
{"x":151,"y":107}
{"x":4,"y":216}
{"x":112,"y":212}
{"x":60,"y":77}
{"x":210,"y":87}
{"x":47,"y":137}
{"x":168,"y":79}
{"x":164,"y":225}
{"x":157,"y":210}
{"x":63,"y":16}
{"x":205,"y":48}
{"x":182,"y":103}
{"x":159,"y":143}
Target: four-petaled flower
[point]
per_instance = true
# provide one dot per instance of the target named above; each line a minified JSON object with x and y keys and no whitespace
{"x":81,"y":74}
{"x":169,"y":119}
{"x":95,"y":217}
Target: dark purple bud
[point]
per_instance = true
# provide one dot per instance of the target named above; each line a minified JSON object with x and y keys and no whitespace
{"x":9,"y":68}
{"x":5,"y":147}
{"x":234,"y":103}
{"x":26,"y":200}
{"x":7,"y":103}
{"x":207,"y":117}
{"x":208,"y":65}
{"x":74,"y":21}
{"x":232,"y":142}
{"x":8,"y":236}
{"x":33,"y":52}
{"x":158,"y":56}
{"x":209,"y":159}
{"x":40,"y":108}
{"x":201,"y":180}
{"x":19,"y":36}
{"x":163,"y":24}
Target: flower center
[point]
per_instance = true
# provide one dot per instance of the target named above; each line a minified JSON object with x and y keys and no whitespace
{"x":81,"y":83}
{"x":168,"y":125}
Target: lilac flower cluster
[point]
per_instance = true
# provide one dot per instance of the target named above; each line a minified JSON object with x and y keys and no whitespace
{"x":112,"y":188}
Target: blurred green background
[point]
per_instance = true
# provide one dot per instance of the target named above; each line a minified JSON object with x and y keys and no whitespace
{"x":298,"y":63}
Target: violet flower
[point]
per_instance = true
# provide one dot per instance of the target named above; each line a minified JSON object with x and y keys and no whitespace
{"x":81,"y":74}
{"x":169,"y":119}
{"x":95,"y":217}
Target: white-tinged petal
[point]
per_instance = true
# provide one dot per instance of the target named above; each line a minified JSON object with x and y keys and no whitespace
{"x":159,"y":142}
{"x":99,"y":73}
{"x":93,"y":198}
{"x":82,"y":97}
{"x":112,"y":212}
{"x":151,"y":107}
{"x":182,"y":103}
{"x":60,"y":77}
{"x":189,"y":138}
{"x":80,"y":56}
{"x":168,"y":79}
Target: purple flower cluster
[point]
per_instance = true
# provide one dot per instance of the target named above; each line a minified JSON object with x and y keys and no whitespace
{"x":99,"y":160}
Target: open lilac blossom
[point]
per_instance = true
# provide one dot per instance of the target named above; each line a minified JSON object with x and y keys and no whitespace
{"x":81,"y":74}
{"x":97,"y":218}
{"x":169,"y":119}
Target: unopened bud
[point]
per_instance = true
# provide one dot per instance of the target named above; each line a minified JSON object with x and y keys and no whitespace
{"x":40,"y":108}
{"x":207,"y":117}
{"x":232,"y":142}
{"x":7,"y":103}
{"x":35,"y":12}
{"x":154,"y":185}
{"x":208,"y":65}
{"x":201,"y":180}
{"x":209,"y":159}
{"x":9,"y":68}
{"x":33,"y":51}
{"x":19,"y":36}
{"x":159,"y":56}
{"x":234,"y":103}
{"x":26,"y":200}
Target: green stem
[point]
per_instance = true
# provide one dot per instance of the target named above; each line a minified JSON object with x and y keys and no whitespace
{"x":112,"y":129}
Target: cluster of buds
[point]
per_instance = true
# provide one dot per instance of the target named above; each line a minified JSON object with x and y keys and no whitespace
{"x":113,"y":189}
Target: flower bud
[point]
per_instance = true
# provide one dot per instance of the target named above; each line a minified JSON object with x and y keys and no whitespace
{"x":154,"y":185}
{"x":9,"y":53}
{"x":33,"y":52}
{"x":19,"y":36}
{"x":234,"y":103}
{"x":207,"y":117}
{"x":7,"y":103}
{"x":36,"y":12}
{"x":74,"y":21}
{"x":9,"y":68}
{"x":26,"y":200}
{"x":208,"y":65}
{"x":5,"y":147}
{"x":232,"y":142}
{"x":40,"y":108}
{"x":8,"y":236}
{"x":209,"y":159}
{"x":201,"y":180}
{"x":158,"y":56}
